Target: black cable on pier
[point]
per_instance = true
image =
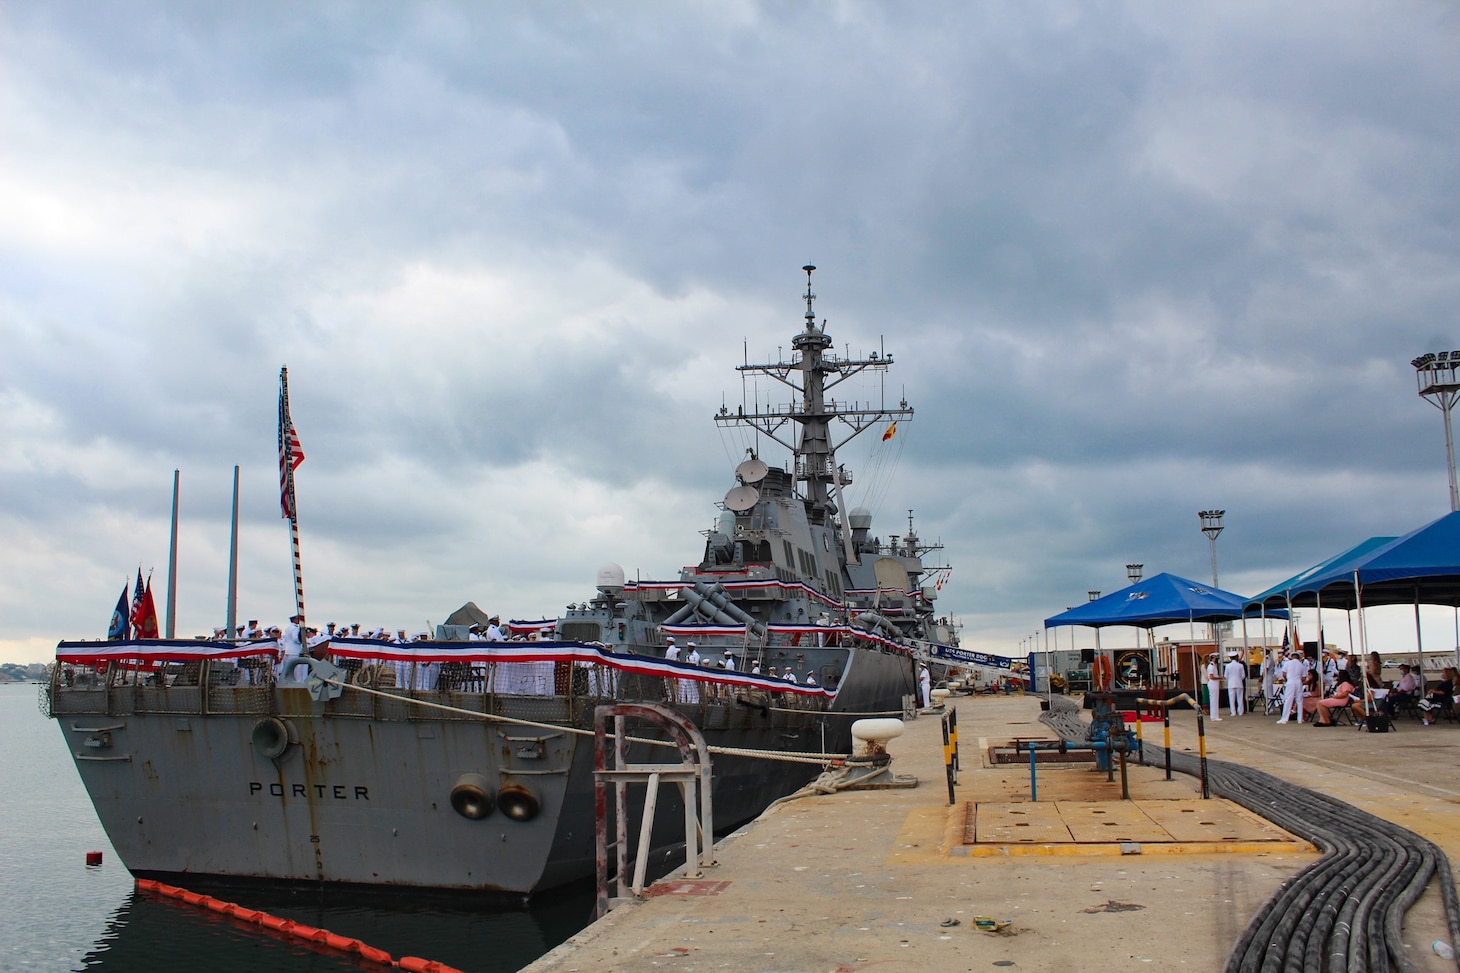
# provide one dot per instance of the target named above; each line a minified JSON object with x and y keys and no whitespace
{"x":1345,"y":912}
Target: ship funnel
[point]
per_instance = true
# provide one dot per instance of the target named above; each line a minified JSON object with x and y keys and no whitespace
{"x":860,"y":520}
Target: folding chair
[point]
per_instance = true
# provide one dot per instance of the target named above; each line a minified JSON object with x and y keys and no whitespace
{"x":1408,"y":706}
{"x":1376,"y":708}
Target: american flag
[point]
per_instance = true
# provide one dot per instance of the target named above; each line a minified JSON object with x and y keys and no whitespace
{"x":136,"y":618}
{"x":291,"y":453}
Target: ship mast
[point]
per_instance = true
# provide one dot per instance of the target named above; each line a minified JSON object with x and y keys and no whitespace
{"x":812,"y":373}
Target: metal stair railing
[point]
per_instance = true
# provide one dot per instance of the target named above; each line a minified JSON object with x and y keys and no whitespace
{"x":692,"y":774}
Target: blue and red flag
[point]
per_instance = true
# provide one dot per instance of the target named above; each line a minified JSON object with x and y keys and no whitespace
{"x":119,"y":629}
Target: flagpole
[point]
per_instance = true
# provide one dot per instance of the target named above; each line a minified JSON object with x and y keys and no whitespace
{"x":172,"y":566}
{"x":287,"y":462}
{"x":298,"y":579}
{"x":233,"y":564}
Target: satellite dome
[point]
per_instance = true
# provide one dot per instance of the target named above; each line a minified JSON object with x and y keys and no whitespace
{"x":861,"y":518}
{"x":610,"y":576}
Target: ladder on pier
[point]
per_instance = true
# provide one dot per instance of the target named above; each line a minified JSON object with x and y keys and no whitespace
{"x":692,"y":774}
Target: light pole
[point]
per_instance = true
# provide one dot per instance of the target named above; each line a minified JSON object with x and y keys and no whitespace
{"x":1133,"y":571}
{"x":1439,"y":384}
{"x":1211,"y":525}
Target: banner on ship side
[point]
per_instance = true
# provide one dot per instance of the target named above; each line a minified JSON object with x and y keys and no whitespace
{"x":965,"y":657}
{"x":182,"y":650}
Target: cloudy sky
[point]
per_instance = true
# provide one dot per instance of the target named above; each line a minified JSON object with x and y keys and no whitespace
{"x":1132,"y":261}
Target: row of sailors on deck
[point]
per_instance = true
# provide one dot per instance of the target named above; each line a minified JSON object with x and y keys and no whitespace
{"x":292,"y":639}
{"x":693,"y":657}
{"x":491,"y":632}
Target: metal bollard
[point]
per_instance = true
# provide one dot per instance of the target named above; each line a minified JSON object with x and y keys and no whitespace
{"x":1168,"y":738}
{"x":948,"y":759}
{"x":953,"y":732}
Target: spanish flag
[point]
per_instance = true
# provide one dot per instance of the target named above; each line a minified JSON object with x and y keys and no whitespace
{"x":891,"y":431}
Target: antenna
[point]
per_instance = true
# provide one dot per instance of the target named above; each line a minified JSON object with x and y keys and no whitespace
{"x":810,"y":299}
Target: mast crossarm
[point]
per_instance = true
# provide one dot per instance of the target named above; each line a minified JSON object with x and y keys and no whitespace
{"x":780,"y":371}
{"x":863,"y":419}
{"x":767,"y":425}
{"x":846,"y":369}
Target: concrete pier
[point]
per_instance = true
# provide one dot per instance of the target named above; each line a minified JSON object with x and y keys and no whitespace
{"x":895,"y":879}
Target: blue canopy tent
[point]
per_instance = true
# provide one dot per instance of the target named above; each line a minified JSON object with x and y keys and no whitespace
{"x":1279,"y":595}
{"x":1423,"y":565}
{"x":1163,"y":599}
{"x":1419,"y":568}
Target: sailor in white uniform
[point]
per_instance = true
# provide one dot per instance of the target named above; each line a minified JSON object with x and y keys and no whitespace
{"x":1214,"y":689}
{"x":494,"y":633}
{"x":1236,"y":674}
{"x":729,"y":661}
{"x":1292,"y":687}
{"x":925,"y":685}
{"x":671,"y":651}
{"x":291,"y":643}
{"x":686,"y":690}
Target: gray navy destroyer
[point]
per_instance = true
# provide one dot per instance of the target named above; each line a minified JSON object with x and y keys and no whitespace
{"x":466,"y":765}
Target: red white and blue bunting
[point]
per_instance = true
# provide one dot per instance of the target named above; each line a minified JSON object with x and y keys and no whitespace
{"x":161,"y":650}
{"x":782,"y":588}
{"x":832,"y":634}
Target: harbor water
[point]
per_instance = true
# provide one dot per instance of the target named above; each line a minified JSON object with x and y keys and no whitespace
{"x":61,"y":914}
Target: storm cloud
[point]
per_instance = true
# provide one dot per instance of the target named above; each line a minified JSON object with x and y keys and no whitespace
{"x":1132,"y":261}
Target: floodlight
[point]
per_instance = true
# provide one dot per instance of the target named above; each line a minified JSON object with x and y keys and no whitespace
{"x":1438,"y":385}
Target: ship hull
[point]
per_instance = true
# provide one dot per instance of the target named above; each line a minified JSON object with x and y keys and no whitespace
{"x":188,"y":786}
